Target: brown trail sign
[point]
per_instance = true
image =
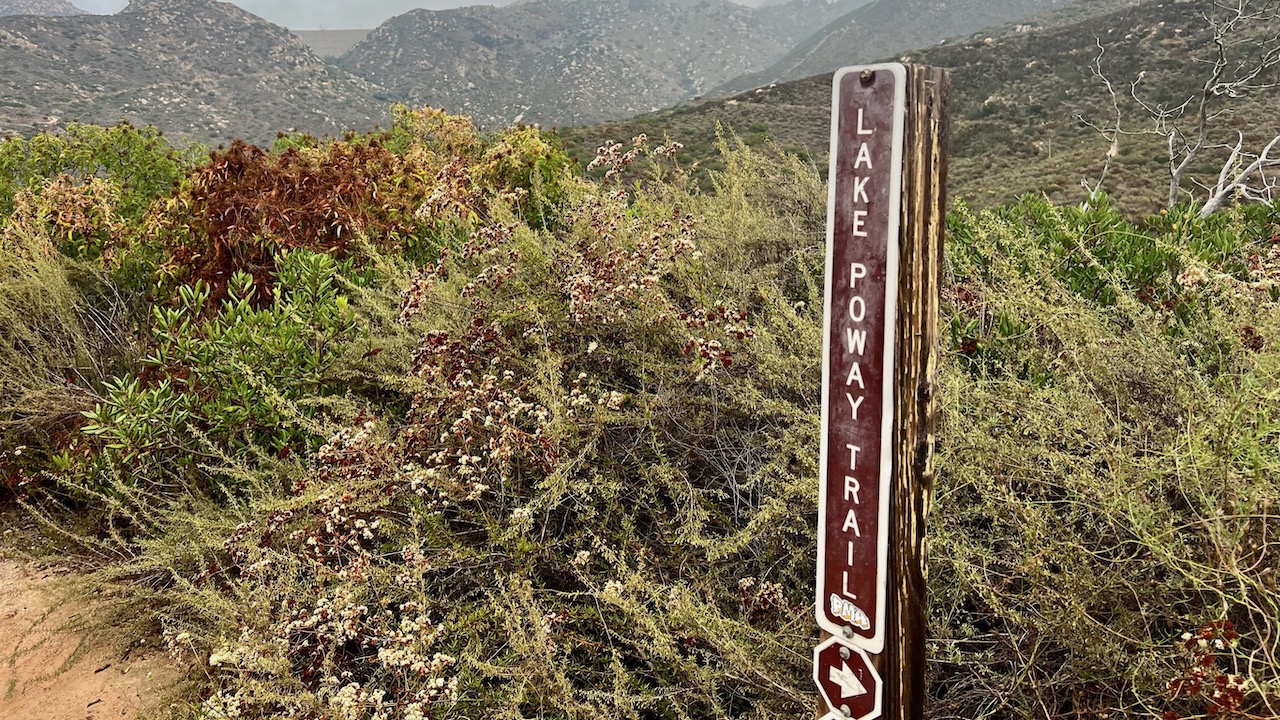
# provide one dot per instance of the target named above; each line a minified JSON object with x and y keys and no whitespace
{"x":857,"y":407}
{"x":884,"y":250}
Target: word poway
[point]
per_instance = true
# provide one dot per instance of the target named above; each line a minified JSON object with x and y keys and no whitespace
{"x":858,"y":366}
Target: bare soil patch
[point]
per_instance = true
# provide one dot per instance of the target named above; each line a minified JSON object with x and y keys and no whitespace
{"x":54,"y":668}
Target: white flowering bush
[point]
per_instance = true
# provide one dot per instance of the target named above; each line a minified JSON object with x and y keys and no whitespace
{"x":555,"y":454}
{"x":553,"y":517}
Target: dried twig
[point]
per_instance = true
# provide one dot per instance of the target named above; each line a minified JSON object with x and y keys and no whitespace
{"x":1242,"y":65}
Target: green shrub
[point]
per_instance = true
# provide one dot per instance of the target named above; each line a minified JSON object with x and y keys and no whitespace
{"x":596,"y":467}
{"x":1107,"y":473}
{"x":249,"y":377}
{"x":576,"y":477}
{"x":139,"y":163}
{"x":55,"y":347}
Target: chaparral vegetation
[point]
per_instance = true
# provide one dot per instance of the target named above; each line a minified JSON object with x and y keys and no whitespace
{"x":432,"y":423}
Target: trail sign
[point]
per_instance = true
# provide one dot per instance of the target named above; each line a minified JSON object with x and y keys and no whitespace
{"x":885,"y":228}
{"x":848,"y":681}
{"x":863,"y":220}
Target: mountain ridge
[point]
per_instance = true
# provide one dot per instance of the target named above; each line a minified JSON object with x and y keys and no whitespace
{"x":1018,"y":94}
{"x":576,"y":61}
{"x":882,"y":28}
{"x":39,"y":8}
{"x":200,"y":69}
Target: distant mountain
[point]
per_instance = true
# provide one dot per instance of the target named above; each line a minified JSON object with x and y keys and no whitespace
{"x":882,"y":29}
{"x":578,"y":61}
{"x":1017,"y":92}
{"x":40,"y":8}
{"x":198,"y":69}
{"x":331,"y":43}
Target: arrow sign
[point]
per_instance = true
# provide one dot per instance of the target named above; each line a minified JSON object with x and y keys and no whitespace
{"x":848,"y":682}
{"x":850,"y":685}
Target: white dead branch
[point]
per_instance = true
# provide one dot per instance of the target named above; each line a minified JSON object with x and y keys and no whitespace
{"x":1245,"y":62}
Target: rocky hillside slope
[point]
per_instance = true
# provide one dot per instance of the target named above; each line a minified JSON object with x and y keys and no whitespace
{"x":578,"y":61}
{"x":199,"y":69}
{"x":883,"y":28}
{"x":42,"y":8}
{"x":1019,"y":91}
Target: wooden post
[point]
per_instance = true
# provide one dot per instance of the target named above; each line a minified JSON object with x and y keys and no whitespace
{"x":875,"y":599}
{"x":924,"y":204}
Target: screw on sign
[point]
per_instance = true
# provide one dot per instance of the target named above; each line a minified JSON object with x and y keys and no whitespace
{"x":849,"y":684}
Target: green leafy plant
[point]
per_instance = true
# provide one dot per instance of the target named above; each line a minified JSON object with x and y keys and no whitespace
{"x":246,"y":377}
{"x":138,"y":163}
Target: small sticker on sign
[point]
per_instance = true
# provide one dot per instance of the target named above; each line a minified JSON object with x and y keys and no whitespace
{"x":849,"y":612}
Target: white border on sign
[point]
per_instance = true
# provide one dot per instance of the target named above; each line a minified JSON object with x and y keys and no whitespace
{"x":875,"y":643}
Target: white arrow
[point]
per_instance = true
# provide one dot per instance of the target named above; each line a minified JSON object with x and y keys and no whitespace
{"x":850,"y":685}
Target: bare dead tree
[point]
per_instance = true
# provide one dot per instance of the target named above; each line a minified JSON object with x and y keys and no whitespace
{"x":1245,"y":61}
{"x":1238,"y":179}
{"x":1111,"y":132}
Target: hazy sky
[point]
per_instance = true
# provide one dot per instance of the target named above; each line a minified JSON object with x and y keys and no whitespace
{"x":314,"y":14}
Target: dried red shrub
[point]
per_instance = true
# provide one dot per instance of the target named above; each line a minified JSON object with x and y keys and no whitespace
{"x":243,"y":206}
{"x":1204,"y":679}
{"x":1250,"y":338}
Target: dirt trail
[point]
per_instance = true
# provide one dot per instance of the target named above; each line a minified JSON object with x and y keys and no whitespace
{"x":50,"y":672}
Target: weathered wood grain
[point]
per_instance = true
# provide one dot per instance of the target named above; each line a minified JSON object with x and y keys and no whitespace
{"x":924,"y":189}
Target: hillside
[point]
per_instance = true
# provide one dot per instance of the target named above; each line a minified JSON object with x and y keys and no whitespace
{"x":1017,"y":91}
{"x":883,"y":28}
{"x":41,"y":8}
{"x":577,"y":61}
{"x":199,"y":69}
